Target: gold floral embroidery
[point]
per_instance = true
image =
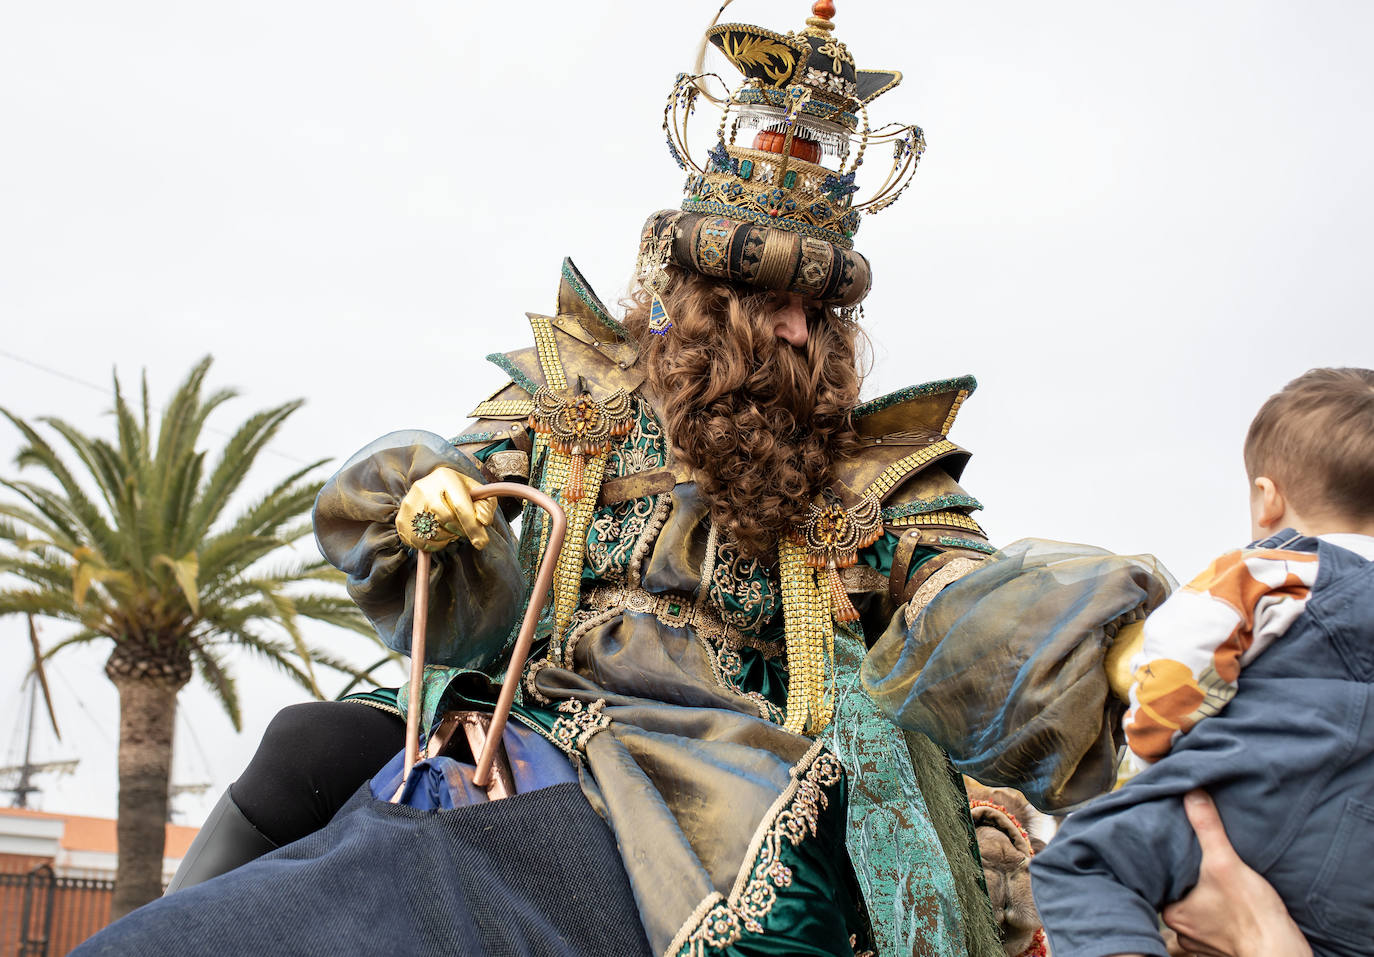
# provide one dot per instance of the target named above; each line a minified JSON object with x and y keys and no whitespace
{"x":616,"y":531}
{"x":742,"y":589}
{"x":572,"y":733}
{"x":796,"y":816}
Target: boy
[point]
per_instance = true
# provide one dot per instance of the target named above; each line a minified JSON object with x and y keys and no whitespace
{"x":1290,"y":761}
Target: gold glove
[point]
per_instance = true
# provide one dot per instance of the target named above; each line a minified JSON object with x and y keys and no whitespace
{"x":439,"y":509}
{"x":1129,"y":640}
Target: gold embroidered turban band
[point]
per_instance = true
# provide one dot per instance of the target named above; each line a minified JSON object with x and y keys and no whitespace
{"x":779,"y":213}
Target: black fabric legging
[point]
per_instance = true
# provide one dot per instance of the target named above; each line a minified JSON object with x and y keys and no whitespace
{"x":312,"y":758}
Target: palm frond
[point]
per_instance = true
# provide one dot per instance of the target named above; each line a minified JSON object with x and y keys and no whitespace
{"x":212,"y":670}
{"x":57,"y":533}
{"x":83,"y":637}
{"x":366,"y":673}
{"x":128,"y":538}
{"x":38,"y":452}
{"x":238,"y":456}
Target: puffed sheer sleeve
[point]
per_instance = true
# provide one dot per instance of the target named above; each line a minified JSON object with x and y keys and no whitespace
{"x":1004,"y":667}
{"x":475,"y":597}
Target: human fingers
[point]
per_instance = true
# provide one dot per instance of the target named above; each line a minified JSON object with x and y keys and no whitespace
{"x":1206,"y":822}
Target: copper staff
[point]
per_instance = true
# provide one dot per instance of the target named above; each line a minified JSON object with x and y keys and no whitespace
{"x":558,"y":524}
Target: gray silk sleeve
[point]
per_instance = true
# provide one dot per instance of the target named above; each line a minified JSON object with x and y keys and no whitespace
{"x":475,"y":597}
{"x":1004,"y":667}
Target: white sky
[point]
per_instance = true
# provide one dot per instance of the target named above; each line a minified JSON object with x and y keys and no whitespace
{"x":1134,"y":222}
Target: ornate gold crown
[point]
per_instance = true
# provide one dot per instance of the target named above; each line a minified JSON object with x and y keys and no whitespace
{"x":807,"y":105}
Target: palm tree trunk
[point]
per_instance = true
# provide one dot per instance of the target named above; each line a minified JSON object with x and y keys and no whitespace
{"x":147,"y":712}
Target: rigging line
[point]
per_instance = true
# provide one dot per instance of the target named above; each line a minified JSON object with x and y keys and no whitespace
{"x":103,"y":390}
{"x":76,"y":696}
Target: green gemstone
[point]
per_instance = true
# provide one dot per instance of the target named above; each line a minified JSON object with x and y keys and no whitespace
{"x":674,"y":609}
{"x":789,"y":179}
{"x":746,"y":168}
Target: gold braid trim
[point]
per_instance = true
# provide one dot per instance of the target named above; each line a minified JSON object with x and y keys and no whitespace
{"x":567,"y":581}
{"x":810,"y":641}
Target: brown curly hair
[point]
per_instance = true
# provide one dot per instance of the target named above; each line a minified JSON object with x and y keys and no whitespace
{"x":761,"y":421}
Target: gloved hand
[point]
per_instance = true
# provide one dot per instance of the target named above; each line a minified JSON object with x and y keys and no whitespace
{"x":439,"y":509}
{"x":1129,"y":640}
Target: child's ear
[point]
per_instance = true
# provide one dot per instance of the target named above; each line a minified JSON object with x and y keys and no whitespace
{"x":1270,"y":505}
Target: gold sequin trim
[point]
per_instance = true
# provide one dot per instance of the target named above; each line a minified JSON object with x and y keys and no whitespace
{"x":954,"y":411}
{"x":903,"y":467}
{"x":951,"y":519}
{"x":810,"y":636}
{"x":720,"y":922}
{"x":567,"y":582}
{"x":494,"y":408}
{"x":549,"y":362}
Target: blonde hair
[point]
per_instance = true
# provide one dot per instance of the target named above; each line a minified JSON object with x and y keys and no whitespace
{"x":1315,"y":439}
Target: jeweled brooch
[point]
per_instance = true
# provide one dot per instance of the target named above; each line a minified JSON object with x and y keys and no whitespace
{"x":833,"y":535}
{"x":581,"y":427}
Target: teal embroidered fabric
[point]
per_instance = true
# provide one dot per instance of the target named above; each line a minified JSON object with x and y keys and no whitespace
{"x":897,"y":854}
{"x":616,"y":529}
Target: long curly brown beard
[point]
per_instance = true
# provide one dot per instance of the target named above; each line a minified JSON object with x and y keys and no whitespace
{"x":762,"y":422}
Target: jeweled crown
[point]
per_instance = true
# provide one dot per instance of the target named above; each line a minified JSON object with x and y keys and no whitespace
{"x":807,"y":106}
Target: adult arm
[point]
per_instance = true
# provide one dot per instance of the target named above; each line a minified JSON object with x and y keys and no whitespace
{"x":475,"y":595}
{"x":1233,"y":911}
{"x":1004,"y":667}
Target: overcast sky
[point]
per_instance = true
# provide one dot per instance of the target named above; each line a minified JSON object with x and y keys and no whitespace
{"x":1134,"y":222}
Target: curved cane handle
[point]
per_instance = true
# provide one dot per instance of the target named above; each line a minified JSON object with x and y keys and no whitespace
{"x":558,"y":525}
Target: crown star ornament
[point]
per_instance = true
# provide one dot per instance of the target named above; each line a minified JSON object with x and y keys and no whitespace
{"x":774,"y":202}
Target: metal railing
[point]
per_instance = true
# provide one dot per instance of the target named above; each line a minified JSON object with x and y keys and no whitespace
{"x":43,"y":915}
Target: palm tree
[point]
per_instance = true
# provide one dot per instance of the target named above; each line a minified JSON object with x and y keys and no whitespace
{"x":152,"y":563}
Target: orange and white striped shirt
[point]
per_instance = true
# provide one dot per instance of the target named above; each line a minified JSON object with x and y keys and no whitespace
{"x":1197,"y":642}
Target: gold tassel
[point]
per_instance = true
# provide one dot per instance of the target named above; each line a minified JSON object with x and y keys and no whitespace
{"x":839,"y":598}
{"x":573,"y":491}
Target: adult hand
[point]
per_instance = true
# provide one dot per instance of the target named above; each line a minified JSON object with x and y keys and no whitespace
{"x":1233,"y":911}
{"x":438,"y":509}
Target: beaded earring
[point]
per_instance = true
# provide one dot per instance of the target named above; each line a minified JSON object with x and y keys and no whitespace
{"x":656,"y":280}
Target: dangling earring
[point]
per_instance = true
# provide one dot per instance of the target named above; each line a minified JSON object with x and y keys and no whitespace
{"x":659,"y":320}
{"x":654,"y":276}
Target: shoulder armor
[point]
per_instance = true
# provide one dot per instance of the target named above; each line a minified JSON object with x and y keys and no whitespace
{"x":931,"y":407}
{"x":577,"y":300}
{"x":905,"y":434}
{"x":908,"y":463}
{"x":585,"y":343}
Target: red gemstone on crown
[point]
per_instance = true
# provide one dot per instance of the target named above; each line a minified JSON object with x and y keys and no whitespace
{"x":769,"y":141}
